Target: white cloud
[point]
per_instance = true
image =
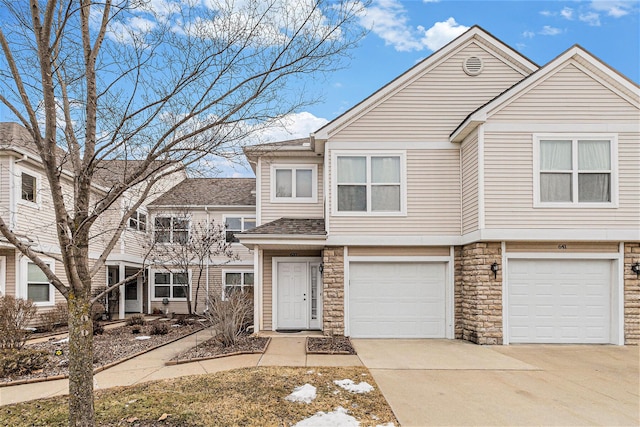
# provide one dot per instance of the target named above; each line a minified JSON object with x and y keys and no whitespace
{"x":388,"y":19}
{"x":547,"y":13}
{"x":567,"y":13}
{"x":520,"y":46}
{"x":528,"y":34}
{"x":615,"y":9}
{"x":590,"y":18}
{"x":442,"y":33}
{"x":291,"y":126}
{"x":548,"y":30}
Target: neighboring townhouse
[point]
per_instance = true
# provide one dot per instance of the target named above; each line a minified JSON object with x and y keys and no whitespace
{"x":186,"y":208}
{"x":477,"y":196}
{"x":25,"y":204}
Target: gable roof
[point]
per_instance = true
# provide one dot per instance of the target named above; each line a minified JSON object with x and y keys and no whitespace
{"x":582,"y":58}
{"x":210,"y":192}
{"x":515,"y":59}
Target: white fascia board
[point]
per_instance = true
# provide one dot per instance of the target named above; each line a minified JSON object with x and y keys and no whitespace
{"x":408,"y":76}
{"x":177,"y":207}
{"x":262,"y":239}
{"x":467,"y":127}
{"x":375,"y":240}
{"x":552,"y":235}
{"x":546,"y":71}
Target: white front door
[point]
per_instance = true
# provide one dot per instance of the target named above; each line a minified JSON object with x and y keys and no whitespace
{"x":133,"y":297}
{"x":293,"y":298}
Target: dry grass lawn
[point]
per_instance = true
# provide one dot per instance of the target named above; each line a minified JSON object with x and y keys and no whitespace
{"x":242,"y":397}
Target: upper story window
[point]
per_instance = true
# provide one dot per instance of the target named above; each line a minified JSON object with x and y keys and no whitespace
{"x":237,"y":224}
{"x":138,"y":221}
{"x":294,"y":183}
{"x":369,"y":184}
{"x":575,"y":172}
{"x":171,"y":229}
{"x":28,"y":187}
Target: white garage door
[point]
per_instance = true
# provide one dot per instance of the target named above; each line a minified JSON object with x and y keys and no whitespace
{"x":397,"y":300}
{"x":559,"y":301}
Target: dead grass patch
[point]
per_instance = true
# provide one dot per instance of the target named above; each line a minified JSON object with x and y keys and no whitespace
{"x":249,"y":397}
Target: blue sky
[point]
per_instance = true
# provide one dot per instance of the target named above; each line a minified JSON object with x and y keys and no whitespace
{"x":404,"y":32}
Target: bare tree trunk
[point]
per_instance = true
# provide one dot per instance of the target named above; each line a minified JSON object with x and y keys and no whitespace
{"x":81,"y":409}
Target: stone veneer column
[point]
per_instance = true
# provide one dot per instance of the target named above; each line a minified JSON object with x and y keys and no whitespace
{"x":631,"y":295}
{"x":333,"y":295}
{"x":457,"y":292}
{"x":480,"y":312}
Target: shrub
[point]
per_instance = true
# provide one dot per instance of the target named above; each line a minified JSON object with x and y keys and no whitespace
{"x":136,"y":319}
{"x":135,"y":329}
{"x":98,"y":328}
{"x":230,"y":317}
{"x":57,"y":316}
{"x":159,"y":329}
{"x":15,"y":316}
{"x":20,"y":362}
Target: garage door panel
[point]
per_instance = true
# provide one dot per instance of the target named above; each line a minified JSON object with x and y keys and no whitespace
{"x":559,"y":301}
{"x":397,"y":300}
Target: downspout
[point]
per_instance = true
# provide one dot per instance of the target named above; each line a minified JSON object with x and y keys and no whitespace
{"x":206,"y":272}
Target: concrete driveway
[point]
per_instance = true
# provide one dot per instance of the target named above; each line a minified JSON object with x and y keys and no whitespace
{"x":444,"y":382}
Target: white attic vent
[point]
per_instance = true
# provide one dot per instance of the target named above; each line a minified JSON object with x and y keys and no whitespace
{"x":472,"y":65}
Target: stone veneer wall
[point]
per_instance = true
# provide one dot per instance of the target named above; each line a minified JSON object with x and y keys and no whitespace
{"x":333,"y":295}
{"x":457,"y":292}
{"x":631,"y":295}
{"x":479,"y":318}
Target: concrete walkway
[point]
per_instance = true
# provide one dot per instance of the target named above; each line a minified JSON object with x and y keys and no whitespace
{"x":282,"y":351}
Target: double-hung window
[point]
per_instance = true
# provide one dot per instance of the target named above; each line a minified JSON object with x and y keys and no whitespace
{"x":371,"y":184}
{"x":28,"y":187}
{"x":237,"y":281}
{"x":171,"y":229}
{"x":171,"y":285}
{"x":294,"y":183}
{"x":575,"y":171}
{"x":138,"y":221}
{"x":39,"y":289}
{"x":237,"y":224}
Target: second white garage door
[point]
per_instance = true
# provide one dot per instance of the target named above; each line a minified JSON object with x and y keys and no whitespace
{"x":397,"y":300}
{"x":559,"y":301}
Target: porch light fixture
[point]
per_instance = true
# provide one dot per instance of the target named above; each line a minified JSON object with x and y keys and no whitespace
{"x":636,"y":268}
{"x":494,"y":268}
{"x":321,"y":267}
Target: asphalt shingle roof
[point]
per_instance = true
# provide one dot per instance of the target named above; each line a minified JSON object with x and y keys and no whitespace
{"x":210,"y":192}
{"x":290,"y":226}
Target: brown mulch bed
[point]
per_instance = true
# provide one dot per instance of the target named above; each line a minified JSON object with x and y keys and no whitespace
{"x":329,"y":345}
{"x":111,"y":346}
{"x":212,"y":348}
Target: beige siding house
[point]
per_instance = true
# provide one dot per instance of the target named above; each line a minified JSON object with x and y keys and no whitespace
{"x":477,"y":196}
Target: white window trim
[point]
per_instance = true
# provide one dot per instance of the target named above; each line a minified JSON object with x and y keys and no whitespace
{"x":293,"y":168}
{"x":575,"y":204}
{"x":171,"y":285}
{"x":360,"y":153}
{"x":237,"y":270}
{"x":242,"y":219}
{"x":38,"y":187}
{"x":24,"y":292}
{"x":179,"y":217}
{"x":138,"y":212}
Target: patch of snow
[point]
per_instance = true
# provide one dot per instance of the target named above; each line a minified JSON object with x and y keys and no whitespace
{"x":310,"y":372}
{"x":143,"y":337}
{"x":349,"y":385}
{"x":62,"y":341}
{"x":305,"y":393}
{"x":338,"y":418}
{"x":29,"y":329}
{"x":175,"y":326}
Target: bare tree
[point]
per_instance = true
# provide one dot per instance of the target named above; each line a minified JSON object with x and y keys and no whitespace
{"x":204,"y":247}
{"x":157,"y":86}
